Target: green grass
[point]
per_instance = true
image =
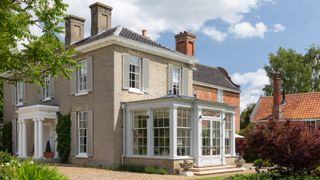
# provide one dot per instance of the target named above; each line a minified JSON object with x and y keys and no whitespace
{"x":213,"y":178}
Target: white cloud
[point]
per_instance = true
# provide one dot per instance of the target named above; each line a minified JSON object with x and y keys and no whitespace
{"x":214,"y":34}
{"x":246,"y":30}
{"x":251,"y":84}
{"x":278,"y":28}
{"x":167,"y":15}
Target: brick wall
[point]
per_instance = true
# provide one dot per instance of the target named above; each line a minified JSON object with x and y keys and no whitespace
{"x":231,"y":98}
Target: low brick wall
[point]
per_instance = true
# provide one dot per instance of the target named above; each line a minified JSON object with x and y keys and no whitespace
{"x":173,"y":166}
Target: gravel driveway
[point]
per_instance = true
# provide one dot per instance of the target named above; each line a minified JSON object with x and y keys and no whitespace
{"x":80,"y":173}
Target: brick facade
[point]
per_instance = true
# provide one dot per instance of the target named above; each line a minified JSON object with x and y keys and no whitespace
{"x":231,"y":98}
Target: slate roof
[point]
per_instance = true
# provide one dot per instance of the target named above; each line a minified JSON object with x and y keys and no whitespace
{"x":297,"y":106}
{"x":213,"y":75}
{"x":121,"y":32}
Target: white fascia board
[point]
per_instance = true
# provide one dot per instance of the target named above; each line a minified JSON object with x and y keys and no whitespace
{"x":137,"y":46}
{"x":215,"y":86}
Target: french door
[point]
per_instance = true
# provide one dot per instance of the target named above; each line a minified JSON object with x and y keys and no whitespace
{"x":211,"y":145}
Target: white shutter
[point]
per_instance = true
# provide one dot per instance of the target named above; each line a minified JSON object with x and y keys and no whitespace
{"x":125,"y":71}
{"x":185,"y":81}
{"x":90,"y":74}
{"x":14,"y":94}
{"x":73,"y":82}
{"x":74,"y":139}
{"x":169,"y":77}
{"x":145,"y":74}
{"x":24,"y":90}
{"x":51,"y":88}
{"x":90,"y":133}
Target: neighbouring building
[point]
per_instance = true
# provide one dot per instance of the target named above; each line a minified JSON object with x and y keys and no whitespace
{"x":132,"y":101}
{"x":299,"y":107}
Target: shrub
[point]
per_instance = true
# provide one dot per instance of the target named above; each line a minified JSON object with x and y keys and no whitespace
{"x":30,"y":171}
{"x":143,"y":169}
{"x":262,"y":163}
{"x":64,"y":137}
{"x":269,"y":176}
{"x":7,"y":137}
{"x":289,"y":145}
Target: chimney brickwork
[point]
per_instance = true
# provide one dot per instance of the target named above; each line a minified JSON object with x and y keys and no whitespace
{"x":100,"y":18}
{"x":277,"y":98}
{"x":185,"y":43}
{"x":74,"y":27}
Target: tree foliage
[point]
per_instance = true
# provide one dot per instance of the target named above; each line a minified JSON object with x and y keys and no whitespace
{"x":7,"y":137}
{"x":291,"y":146}
{"x":301,"y":72}
{"x":245,"y":115}
{"x":25,"y":54}
{"x":64,"y":137}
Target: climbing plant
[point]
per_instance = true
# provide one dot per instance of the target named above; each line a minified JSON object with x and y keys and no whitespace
{"x":64,"y":137}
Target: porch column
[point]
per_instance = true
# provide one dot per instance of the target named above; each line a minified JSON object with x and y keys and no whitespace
{"x":36,"y":135}
{"x":197,"y":134}
{"x":19,"y":138}
{"x":40,"y":135}
{"x":223,"y":141}
{"x":56,"y":155}
{"x":150,"y":140}
{"x":24,"y":139}
{"x":233,"y":143}
{"x":173,"y":132}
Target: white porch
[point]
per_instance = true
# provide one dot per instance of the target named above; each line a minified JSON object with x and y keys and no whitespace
{"x":210,"y":137}
{"x":36,"y":126}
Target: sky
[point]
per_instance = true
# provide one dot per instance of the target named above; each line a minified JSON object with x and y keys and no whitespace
{"x":237,"y":35}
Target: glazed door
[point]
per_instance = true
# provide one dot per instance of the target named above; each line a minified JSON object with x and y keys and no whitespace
{"x":211,"y":143}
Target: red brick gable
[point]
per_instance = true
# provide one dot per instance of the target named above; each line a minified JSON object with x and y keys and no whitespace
{"x":297,"y":106}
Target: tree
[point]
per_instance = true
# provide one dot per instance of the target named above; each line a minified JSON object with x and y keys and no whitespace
{"x":245,"y":116}
{"x":301,"y":72}
{"x":28,"y":56}
{"x":293,"y":147}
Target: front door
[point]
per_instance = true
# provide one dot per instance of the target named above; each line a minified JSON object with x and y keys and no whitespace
{"x":211,"y":145}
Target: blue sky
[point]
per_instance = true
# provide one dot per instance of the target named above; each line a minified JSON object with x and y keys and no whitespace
{"x":235,"y":34}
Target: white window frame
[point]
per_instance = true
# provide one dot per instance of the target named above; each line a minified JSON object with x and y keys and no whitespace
{"x":220,"y":95}
{"x":19,"y":93}
{"x":133,"y":87}
{"x":158,"y":137}
{"x":176,"y":80}
{"x":82,"y":116}
{"x":230,"y":133}
{"x":82,"y":77}
{"x":140,"y":128}
{"x":46,"y":95}
{"x":185,"y":115}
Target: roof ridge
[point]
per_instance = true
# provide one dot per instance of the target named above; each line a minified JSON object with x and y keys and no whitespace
{"x":296,"y":94}
{"x":208,"y":66}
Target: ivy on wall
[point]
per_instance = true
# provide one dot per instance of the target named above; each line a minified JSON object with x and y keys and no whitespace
{"x":64,"y":137}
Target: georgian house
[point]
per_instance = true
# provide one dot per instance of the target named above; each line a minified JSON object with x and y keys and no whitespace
{"x":132,"y":101}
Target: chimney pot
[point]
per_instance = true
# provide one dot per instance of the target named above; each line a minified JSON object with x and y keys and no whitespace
{"x":185,"y":43}
{"x":144,"y":33}
{"x":74,"y":29}
{"x":100,"y":18}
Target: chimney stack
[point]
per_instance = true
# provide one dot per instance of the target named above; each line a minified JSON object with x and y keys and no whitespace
{"x":185,"y":43}
{"x":144,"y":33}
{"x":74,"y":27}
{"x":100,"y":18}
{"x":277,"y":101}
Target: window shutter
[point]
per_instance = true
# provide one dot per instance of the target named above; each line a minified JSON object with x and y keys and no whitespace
{"x":73,"y":82}
{"x":52,"y":87}
{"x":169,"y":76}
{"x":74,"y":143}
{"x":90,"y":74}
{"x":125,"y":71}
{"x":90,"y":133}
{"x":185,"y":81}
{"x":40,"y":93}
{"x":145,"y":74}
{"x":24,"y":92}
{"x":13,"y":97}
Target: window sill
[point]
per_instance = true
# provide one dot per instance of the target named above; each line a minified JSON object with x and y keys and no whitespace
{"x":135,"y":90}
{"x":18,"y":105}
{"x":46,"y":99}
{"x":82,"y":93}
{"x":82,"y":156}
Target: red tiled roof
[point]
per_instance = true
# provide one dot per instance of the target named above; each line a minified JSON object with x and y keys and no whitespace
{"x":297,"y":106}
